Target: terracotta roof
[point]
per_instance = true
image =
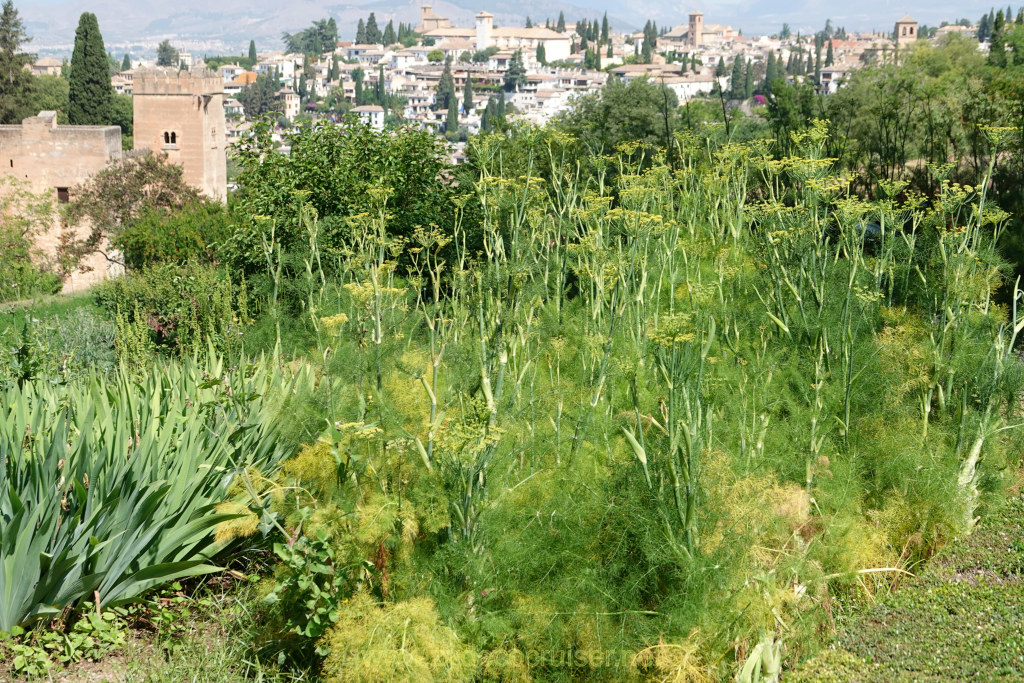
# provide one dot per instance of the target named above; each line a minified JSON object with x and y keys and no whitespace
{"x":244,"y":78}
{"x":907,"y":19}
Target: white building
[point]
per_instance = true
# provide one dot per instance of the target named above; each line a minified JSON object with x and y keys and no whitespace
{"x":371,"y":114}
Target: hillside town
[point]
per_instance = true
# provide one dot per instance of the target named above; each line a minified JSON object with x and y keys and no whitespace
{"x":532,"y":72}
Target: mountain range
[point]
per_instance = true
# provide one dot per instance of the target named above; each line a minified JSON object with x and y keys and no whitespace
{"x":228,"y":25}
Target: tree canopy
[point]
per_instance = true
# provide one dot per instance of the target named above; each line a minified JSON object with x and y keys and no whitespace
{"x":166,"y":54}
{"x":317,"y":39}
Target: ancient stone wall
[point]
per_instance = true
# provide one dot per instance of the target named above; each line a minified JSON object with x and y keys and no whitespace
{"x":51,"y":160}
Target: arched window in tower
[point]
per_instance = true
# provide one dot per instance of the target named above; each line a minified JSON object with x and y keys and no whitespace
{"x":174,"y":138}
{"x":167,"y":138}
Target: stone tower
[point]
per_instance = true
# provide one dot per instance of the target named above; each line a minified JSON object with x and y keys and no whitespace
{"x":696,"y":33}
{"x":484,"y":30}
{"x":906,"y":32}
{"x":181,"y":113}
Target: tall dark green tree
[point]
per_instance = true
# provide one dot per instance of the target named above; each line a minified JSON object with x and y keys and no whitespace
{"x":166,"y":55}
{"x":605,"y":38}
{"x":515,"y":77}
{"x":467,"y":95}
{"x":373,"y":34}
{"x":15,"y":81}
{"x":451,"y":121}
{"x":770,"y":72}
{"x":830,"y":55}
{"x":542,"y":54}
{"x":446,"y":88}
{"x":720,"y":67}
{"x":748,"y":81}
{"x":560,"y":26}
{"x":260,"y":96}
{"x":736,"y":79}
{"x":126,"y":63}
{"x":357,"y":86}
{"x":89,"y":91}
{"x":997,"y":49}
{"x":389,"y":34}
{"x":252,"y":52}
{"x":361,"y":33}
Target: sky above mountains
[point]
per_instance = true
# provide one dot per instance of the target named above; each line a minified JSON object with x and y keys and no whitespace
{"x":232,"y":23}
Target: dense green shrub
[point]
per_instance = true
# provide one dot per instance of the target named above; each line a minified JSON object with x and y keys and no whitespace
{"x":24,"y":273}
{"x":180,"y":308}
{"x":341,"y":172}
{"x":196,"y":232}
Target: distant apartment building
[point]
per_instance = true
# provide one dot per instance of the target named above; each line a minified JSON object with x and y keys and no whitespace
{"x":484,"y":34}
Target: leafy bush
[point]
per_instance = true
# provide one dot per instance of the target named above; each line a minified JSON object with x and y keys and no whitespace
{"x":24,"y":273}
{"x":196,"y":232}
{"x":341,"y":171}
{"x":178,"y":308}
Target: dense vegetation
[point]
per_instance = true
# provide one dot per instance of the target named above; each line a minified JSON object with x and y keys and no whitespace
{"x":605,"y":402}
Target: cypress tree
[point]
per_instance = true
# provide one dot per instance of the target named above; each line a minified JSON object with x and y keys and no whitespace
{"x":15,"y":80}
{"x":252,"y":51}
{"x":451,"y":122}
{"x":360,"y":33}
{"x":90,"y":95}
{"x":467,"y":95}
{"x":560,"y":26}
{"x":748,"y":81}
{"x":542,"y":54}
{"x":829,"y":56}
{"x":485,"y":118}
{"x":446,"y":87}
{"x":357,"y":81}
{"x":720,"y":67}
{"x":610,"y":52}
{"x":515,"y":77}
{"x":389,"y":34}
{"x":529,"y":24}
{"x":769,"y":72}
{"x":997,"y":51}
{"x":373,"y":35}
{"x":126,"y":63}
{"x":604,"y":30}
{"x":736,"y":79}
